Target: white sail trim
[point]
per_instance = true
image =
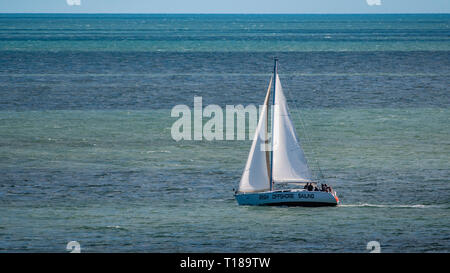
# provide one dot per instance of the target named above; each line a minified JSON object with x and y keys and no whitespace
{"x":289,"y":162}
{"x":301,"y":183}
{"x":293,"y":181}
{"x":255,"y":177}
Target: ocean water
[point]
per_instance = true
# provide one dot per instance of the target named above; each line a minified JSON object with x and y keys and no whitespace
{"x":86,"y":152}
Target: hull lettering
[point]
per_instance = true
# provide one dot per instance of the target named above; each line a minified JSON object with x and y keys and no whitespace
{"x":306,"y":195}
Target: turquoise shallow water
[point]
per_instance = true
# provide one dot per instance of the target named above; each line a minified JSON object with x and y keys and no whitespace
{"x":86,"y":152}
{"x":115,"y":181}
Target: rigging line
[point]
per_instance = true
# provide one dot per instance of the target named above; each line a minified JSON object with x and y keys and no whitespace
{"x":275,"y":77}
{"x":320,"y":173}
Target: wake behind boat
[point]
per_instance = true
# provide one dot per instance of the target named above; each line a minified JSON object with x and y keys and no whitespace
{"x":280,"y":162}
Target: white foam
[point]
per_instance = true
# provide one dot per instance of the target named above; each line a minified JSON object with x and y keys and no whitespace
{"x":389,"y":205}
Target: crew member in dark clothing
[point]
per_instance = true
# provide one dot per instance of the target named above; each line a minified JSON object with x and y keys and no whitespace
{"x":330,"y":189}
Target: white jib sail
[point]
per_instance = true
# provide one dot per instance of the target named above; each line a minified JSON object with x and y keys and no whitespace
{"x":256,"y":173}
{"x":289,"y":162}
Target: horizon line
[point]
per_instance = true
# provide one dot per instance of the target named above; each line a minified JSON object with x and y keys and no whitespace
{"x":232,"y":13}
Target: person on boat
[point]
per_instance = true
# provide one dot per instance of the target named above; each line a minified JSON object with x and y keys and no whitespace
{"x":306,"y":186}
{"x":310,"y":187}
{"x":324,"y":187}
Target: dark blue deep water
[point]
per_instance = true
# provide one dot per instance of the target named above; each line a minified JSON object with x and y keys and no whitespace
{"x":86,"y":152}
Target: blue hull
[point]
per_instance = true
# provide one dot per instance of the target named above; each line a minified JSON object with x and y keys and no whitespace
{"x":288,"y":198}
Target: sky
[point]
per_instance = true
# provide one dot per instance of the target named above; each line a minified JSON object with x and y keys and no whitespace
{"x":225,"y":6}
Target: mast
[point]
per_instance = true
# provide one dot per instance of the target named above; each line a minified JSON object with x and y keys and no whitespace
{"x":275,"y":59}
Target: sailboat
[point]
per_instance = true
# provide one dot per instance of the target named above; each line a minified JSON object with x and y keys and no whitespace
{"x":282,"y":161}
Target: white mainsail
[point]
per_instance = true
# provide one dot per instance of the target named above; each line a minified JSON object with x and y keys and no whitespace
{"x":257,"y":170}
{"x":289,"y":162}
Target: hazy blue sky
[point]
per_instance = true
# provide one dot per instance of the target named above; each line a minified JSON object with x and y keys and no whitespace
{"x":227,"y":6}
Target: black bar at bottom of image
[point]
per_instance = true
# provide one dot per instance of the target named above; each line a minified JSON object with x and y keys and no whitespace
{"x":221,"y":262}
